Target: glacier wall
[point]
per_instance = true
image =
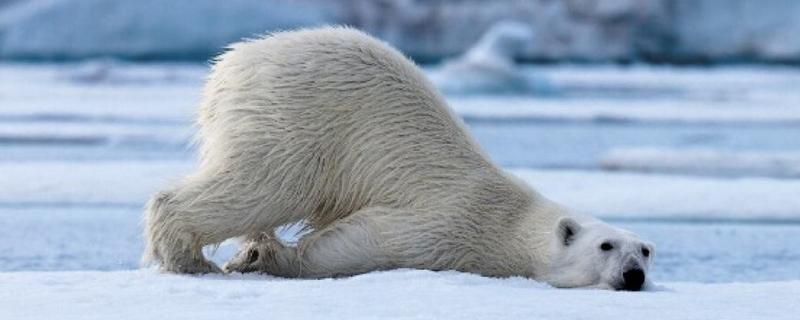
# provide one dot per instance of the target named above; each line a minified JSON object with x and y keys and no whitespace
{"x":564,"y":30}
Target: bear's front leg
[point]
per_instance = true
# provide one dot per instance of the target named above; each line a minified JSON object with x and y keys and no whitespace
{"x":349,"y":246}
{"x":265,"y":253}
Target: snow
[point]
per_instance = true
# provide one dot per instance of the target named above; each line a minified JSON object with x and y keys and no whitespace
{"x":704,"y":161}
{"x":702,"y":166}
{"x":401,"y":294}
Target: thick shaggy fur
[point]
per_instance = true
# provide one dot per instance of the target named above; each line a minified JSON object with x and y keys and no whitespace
{"x":334,"y":128}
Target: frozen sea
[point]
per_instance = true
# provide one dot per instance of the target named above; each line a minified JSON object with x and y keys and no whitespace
{"x":704,"y":162}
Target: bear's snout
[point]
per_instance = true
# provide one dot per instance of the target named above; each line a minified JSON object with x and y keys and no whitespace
{"x":633,"y":279}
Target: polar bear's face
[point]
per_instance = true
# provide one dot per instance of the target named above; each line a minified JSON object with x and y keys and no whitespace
{"x":597,"y":255}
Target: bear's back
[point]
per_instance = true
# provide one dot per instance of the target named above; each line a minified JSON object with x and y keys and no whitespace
{"x":338,"y":118}
{"x":327,"y":67}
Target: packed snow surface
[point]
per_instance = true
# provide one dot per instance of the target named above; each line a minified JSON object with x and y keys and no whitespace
{"x":400,"y":294}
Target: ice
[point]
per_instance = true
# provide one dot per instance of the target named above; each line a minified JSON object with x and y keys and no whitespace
{"x":606,"y":194}
{"x":86,"y":183}
{"x":170,"y":92}
{"x":618,"y":30}
{"x":667,"y":197}
{"x":112,"y":133}
{"x":31,"y":93}
{"x":562,"y":144}
{"x":704,"y":161}
{"x":720,"y":29}
{"x":65,"y":140}
{"x":146,"y":29}
{"x":621,"y":111}
{"x":489,"y":66}
{"x":702,"y":166}
{"x":60,"y":237}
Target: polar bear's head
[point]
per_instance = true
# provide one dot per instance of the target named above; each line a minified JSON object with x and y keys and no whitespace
{"x":597,"y":255}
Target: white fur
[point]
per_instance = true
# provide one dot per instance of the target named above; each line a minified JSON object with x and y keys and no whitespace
{"x":335,"y":128}
{"x":583,"y":264}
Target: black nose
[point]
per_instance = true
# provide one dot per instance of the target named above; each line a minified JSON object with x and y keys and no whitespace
{"x":634,"y":278}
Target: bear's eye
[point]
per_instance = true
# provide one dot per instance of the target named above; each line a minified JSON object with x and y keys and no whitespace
{"x":606,"y":246}
{"x":645,"y":252}
{"x":252,"y":256}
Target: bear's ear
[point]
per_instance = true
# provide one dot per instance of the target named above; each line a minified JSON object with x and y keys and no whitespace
{"x":567,"y":230}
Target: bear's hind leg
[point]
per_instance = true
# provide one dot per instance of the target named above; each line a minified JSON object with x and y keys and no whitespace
{"x":179,"y":222}
{"x":172,"y":243}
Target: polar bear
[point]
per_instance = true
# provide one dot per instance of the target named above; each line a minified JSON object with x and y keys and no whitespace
{"x":337,"y":130}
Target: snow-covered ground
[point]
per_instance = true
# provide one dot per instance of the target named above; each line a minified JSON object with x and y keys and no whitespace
{"x":701,"y":161}
{"x":400,"y":294}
